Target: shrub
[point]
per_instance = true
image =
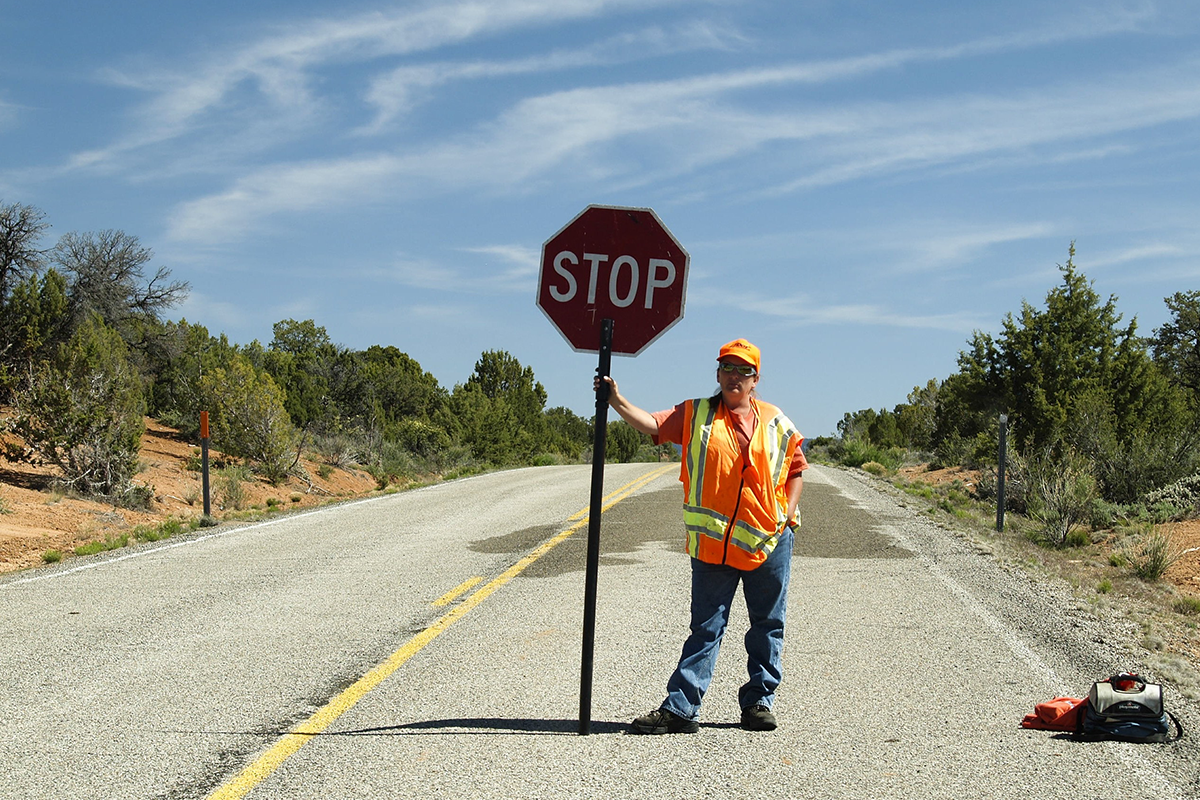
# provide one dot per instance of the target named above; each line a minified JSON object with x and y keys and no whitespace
{"x":248,"y":418}
{"x":230,"y":482}
{"x":51,"y":557}
{"x":111,"y":543}
{"x":1152,"y":554}
{"x":81,"y":411}
{"x":1189,"y":606}
{"x":1061,"y":490}
{"x":874,"y":468}
{"x":856,"y":452}
{"x":1184,"y":494}
{"x":338,"y":450}
{"x":1078,"y":538}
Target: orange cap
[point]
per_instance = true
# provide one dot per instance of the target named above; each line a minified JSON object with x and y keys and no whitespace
{"x":743,"y":350}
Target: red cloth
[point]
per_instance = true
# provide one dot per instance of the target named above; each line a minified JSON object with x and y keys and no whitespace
{"x":1059,"y":714}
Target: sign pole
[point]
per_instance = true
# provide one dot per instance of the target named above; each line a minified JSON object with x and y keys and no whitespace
{"x":1003,"y":456}
{"x":599,"y":441}
{"x":204,"y":462}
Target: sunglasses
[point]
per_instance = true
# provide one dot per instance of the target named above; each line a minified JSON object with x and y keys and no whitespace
{"x":745,"y":370}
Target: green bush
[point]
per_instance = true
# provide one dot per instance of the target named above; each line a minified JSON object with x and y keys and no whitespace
{"x":1152,"y":554}
{"x":248,"y":417}
{"x":1061,"y":493}
{"x":1183,"y":495}
{"x":855,"y":452}
{"x":82,"y":411}
{"x":1189,"y":606}
{"x":230,"y":482}
{"x":110,"y":543}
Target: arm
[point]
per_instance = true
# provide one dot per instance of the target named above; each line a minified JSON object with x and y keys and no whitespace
{"x":636,"y":417}
{"x":794,"y":487}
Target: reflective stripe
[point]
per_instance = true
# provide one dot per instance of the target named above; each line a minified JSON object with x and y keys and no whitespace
{"x":706,"y":524}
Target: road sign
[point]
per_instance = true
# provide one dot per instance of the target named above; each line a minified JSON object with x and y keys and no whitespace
{"x":613,"y":263}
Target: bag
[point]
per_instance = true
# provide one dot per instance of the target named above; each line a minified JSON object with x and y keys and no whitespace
{"x":1126,"y":707}
{"x":1059,"y":714}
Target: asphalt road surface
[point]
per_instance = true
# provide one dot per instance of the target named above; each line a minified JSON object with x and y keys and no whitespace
{"x":427,"y":645}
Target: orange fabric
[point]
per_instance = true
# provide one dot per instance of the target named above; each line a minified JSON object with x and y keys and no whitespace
{"x":1059,"y":714}
{"x":670,"y":429}
{"x":743,"y":350}
{"x":737,"y":486}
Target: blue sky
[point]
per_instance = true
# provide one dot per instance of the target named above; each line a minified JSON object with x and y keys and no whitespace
{"x":860,"y":184}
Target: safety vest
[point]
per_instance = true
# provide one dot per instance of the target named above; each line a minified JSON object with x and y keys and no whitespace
{"x":734,"y":512}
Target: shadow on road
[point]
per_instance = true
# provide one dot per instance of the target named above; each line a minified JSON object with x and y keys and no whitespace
{"x":487,"y":725}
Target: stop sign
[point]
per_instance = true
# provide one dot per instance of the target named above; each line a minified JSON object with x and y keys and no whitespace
{"x":613,"y":263}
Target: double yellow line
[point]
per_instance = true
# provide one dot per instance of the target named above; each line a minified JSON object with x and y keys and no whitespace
{"x":292,"y":741}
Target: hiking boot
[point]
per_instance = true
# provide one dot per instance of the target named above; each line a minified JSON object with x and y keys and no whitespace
{"x":758,"y":718}
{"x":660,"y":720}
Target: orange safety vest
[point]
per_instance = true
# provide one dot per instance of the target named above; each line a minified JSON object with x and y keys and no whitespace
{"x":734,"y":512}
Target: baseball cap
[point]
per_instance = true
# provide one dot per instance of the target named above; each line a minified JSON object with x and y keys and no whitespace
{"x":743,"y":350}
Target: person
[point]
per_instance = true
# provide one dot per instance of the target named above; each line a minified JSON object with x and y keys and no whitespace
{"x":742,"y":474}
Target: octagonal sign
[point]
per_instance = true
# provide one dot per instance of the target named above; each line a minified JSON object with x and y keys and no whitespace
{"x":616,"y":263}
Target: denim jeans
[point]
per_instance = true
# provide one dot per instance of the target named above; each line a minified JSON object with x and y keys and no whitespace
{"x":713,"y":590}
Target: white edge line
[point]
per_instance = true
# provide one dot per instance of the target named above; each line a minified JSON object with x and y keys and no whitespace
{"x":195,"y":540}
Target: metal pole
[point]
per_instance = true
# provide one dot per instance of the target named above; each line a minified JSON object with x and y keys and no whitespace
{"x":1000,"y":473}
{"x":204,"y":462}
{"x":599,"y":441}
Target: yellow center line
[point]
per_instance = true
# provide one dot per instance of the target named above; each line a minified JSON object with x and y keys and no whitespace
{"x":450,"y":596}
{"x":292,"y":741}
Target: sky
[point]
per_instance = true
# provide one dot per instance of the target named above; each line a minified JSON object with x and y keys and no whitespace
{"x":860,"y":185}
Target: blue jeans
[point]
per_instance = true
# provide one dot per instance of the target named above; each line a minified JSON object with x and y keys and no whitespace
{"x":713,"y":589}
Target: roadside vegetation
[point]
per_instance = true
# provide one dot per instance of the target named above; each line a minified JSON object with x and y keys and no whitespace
{"x":87,"y":350}
{"x":1103,"y":450}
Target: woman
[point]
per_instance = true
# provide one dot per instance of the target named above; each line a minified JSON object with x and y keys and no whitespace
{"x":742,"y":476}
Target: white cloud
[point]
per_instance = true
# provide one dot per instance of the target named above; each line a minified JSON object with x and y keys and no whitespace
{"x":395,"y":93}
{"x":274,"y":75}
{"x":631,"y":135}
{"x":497,"y":269}
{"x":288,"y":188}
{"x":801,"y":310}
{"x":953,"y":246}
{"x":1138,"y":254}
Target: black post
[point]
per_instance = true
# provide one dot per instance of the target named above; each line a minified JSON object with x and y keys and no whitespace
{"x":1000,"y":473}
{"x":599,"y":440}
{"x":204,"y":463}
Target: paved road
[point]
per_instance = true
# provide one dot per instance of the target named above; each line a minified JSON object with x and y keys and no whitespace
{"x":185,"y":671}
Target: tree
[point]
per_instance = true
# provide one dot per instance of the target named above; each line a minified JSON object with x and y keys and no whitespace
{"x":917,"y":419}
{"x":516,"y":401}
{"x":106,"y":275}
{"x":1071,"y":376}
{"x":567,"y":433}
{"x":82,"y":410}
{"x":488,"y":425}
{"x":1176,"y":345}
{"x":248,"y":419}
{"x":33,"y":323}
{"x":389,"y":386}
{"x":623,"y":442}
{"x":21,"y":230}
{"x":299,"y":360}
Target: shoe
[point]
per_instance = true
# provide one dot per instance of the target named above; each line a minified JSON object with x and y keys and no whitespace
{"x":758,"y":718}
{"x":662,"y":721}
